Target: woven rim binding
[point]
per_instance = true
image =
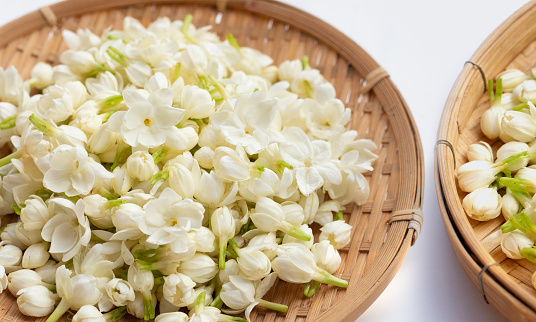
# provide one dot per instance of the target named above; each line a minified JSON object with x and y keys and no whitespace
{"x":387,"y":248}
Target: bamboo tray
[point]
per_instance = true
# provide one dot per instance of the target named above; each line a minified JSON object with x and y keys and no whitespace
{"x":504,"y":283}
{"x":384,"y":227}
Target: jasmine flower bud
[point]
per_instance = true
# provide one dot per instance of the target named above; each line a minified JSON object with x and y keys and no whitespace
{"x":510,"y":205}
{"x":200,"y":268}
{"x":10,"y":257}
{"x":476,"y":174}
{"x":22,"y":279}
{"x":483,"y":204}
{"x":512,"y":243}
{"x":172,"y":317}
{"x":3,"y":279}
{"x":88,"y":313}
{"x":510,"y":149}
{"x":511,"y":78}
{"x":480,"y":151}
{"x":179,"y":289}
{"x":122,"y":182}
{"x":36,"y":301}
{"x":35,"y":255}
{"x":140,"y":165}
{"x":223,"y":226}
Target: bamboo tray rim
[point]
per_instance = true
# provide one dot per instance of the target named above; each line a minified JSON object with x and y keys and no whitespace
{"x":403,"y":231}
{"x":450,"y":204}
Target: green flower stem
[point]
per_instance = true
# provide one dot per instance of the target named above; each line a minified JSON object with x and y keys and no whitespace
{"x":108,"y":194}
{"x":42,"y":125}
{"x":311,"y":288}
{"x":200,"y":302}
{"x":514,"y":158}
{"x":296,"y":232}
{"x":222,"y":248}
{"x":59,"y":311}
{"x":8,"y":122}
{"x":217,"y":302}
{"x":148,"y":306}
{"x":110,"y":102}
{"x":177,"y":71}
{"x":229,"y":253}
{"x":16,"y":209}
{"x":273,"y":306}
{"x":518,"y":185}
{"x":323,"y":276}
{"x":305,"y":63}
{"x":234,"y":246}
{"x":218,"y":86}
{"x":338,"y":216}
{"x":116,"y":202}
{"x":522,"y":197}
{"x":228,"y":318}
{"x":115,"y":314}
{"x":116,"y":55}
{"x":51,"y":287}
{"x":99,"y":68}
{"x":122,"y":150}
{"x":160,"y":176}
{"x":185,"y":26}
{"x":232,"y":41}
{"x":281,"y":165}
{"x":529,"y":253}
{"x":521,"y":106}
{"x":308,"y":89}
{"x":44,"y":194}
{"x":7,"y":159}
{"x":160,"y":154}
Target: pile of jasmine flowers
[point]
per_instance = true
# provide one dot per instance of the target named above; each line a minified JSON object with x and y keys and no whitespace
{"x":504,"y":181}
{"x":162,"y":170}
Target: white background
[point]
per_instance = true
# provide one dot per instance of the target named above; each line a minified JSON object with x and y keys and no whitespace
{"x":423,"y":45}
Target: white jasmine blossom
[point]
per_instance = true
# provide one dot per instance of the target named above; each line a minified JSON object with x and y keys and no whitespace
{"x":119,"y":291}
{"x":337,"y":232}
{"x":72,"y":171}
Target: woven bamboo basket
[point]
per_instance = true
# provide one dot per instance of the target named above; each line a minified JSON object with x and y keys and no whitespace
{"x":384,"y":227}
{"x":504,"y":283}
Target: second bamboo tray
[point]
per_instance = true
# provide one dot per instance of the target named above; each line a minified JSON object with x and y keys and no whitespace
{"x":384,"y":227}
{"x":504,"y":283}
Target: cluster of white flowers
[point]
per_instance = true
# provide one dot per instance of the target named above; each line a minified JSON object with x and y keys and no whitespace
{"x":504,"y":181}
{"x":162,"y":165}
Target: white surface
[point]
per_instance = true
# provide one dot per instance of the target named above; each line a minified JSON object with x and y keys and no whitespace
{"x":423,"y":46}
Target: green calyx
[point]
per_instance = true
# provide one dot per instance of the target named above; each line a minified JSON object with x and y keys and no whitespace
{"x":217,"y":302}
